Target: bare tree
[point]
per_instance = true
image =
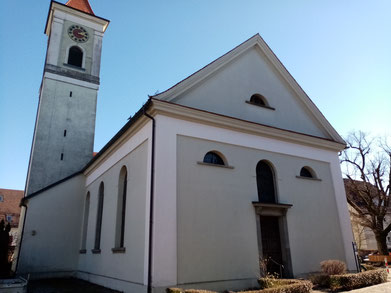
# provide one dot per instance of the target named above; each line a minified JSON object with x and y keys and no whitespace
{"x":367,"y":164}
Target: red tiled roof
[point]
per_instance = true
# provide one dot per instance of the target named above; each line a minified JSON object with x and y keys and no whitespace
{"x":10,"y":205}
{"x":81,"y":5}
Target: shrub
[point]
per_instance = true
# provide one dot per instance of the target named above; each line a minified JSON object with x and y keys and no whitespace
{"x":333,"y":267}
{"x":322,"y":280}
{"x":282,"y":286}
{"x":354,"y":281}
{"x":180,"y":290}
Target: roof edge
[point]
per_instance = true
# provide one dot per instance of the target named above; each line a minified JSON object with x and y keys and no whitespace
{"x":255,"y":41}
{"x":71,"y":9}
{"x":34,"y":194}
{"x":124,"y":128}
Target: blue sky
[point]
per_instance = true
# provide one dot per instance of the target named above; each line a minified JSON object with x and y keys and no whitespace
{"x":338,"y":51}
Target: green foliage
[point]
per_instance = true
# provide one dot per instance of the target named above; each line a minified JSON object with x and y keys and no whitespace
{"x":359,"y":280}
{"x":333,"y":267}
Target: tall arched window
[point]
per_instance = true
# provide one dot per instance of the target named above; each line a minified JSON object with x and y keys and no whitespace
{"x":75,"y":56}
{"x":85,"y":223}
{"x":121,"y":208}
{"x":99,"y":216}
{"x":265,"y":183}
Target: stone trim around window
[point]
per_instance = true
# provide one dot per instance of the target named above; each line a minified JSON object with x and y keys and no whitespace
{"x":83,"y":251}
{"x":215,"y":165}
{"x":118,"y":249}
{"x":309,"y":178}
{"x":262,"y":106}
{"x":95,"y":251}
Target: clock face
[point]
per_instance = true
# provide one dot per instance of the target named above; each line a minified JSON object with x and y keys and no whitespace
{"x":77,"y":33}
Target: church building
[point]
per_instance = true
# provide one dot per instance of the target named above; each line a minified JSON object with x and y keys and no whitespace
{"x":229,"y":166}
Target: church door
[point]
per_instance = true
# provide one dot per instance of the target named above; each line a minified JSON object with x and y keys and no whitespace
{"x":271,"y":244}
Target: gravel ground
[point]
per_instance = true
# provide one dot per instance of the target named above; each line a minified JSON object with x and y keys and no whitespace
{"x":65,"y":286}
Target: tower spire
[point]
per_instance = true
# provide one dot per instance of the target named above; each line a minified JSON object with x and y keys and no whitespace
{"x":81,"y":5}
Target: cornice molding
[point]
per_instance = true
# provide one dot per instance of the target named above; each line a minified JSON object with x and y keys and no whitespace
{"x":102,"y":22}
{"x":235,"y":124}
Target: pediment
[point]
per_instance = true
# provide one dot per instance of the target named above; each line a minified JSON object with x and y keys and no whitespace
{"x":226,"y":85}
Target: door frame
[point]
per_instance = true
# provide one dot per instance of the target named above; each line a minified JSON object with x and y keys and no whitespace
{"x":275,"y":210}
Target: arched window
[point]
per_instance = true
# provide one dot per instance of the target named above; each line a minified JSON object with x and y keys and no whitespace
{"x":121,"y":208}
{"x":213,"y":158}
{"x":75,"y":56}
{"x":85,"y":223}
{"x":265,"y":183}
{"x":307,"y":172}
{"x":259,"y":100}
{"x":99,"y":216}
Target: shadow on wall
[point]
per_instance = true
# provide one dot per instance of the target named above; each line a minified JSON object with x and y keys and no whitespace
{"x":5,"y":252}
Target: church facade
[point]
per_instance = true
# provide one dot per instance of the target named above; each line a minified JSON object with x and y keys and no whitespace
{"x":232,"y":165}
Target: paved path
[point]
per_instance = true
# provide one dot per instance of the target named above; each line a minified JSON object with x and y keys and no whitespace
{"x":65,"y":286}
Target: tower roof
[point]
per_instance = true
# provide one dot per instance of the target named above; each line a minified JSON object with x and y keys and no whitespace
{"x":81,"y":5}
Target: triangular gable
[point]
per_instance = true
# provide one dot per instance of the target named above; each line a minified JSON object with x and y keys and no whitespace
{"x":308,"y":112}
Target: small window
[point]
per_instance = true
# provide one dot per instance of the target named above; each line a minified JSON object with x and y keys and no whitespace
{"x":9,"y":218}
{"x":75,"y":56}
{"x":259,"y":100}
{"x":307,"y":172}
{"x":1,"y":198}
{"x":213,"y":158}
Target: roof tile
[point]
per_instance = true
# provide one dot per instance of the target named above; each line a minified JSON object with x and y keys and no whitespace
{"x":81,"y":5}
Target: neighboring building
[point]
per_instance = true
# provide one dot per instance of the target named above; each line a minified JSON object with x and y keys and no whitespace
{"x":363,"y":236}
{"x":10,"y":210}
{"x":231,"y":164}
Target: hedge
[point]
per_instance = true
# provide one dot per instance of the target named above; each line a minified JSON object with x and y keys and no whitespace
{"x":354,"y":281}
{"x":269,"y":285}
{"x":282,"y":286}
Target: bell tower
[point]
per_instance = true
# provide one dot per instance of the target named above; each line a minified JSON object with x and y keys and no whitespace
{"x":65,"y":124}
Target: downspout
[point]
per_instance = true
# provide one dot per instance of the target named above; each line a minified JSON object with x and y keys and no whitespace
{"x":151,"y":203}
{"x":22,"y":204}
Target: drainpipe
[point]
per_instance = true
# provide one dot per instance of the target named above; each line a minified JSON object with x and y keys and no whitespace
{"x":151,"y":203}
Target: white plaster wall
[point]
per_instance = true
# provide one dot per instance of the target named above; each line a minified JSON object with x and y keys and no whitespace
{"x":226,"y":91}
{"x":127,"y":268}
{"x":55,"y":216}
{"x":217,"y":223}
{"x":167,"y":261}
